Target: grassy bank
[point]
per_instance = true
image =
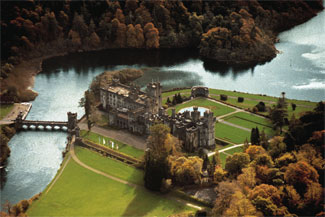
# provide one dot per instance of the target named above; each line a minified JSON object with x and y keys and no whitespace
{"x":124,"y":148}
{"x":80,"y":192}
{"x":5,"y":109}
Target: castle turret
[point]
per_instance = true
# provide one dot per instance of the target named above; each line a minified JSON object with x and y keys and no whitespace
{"x":154,"y":92}
{"x":195,"y":114}
{"x":210,"y":120}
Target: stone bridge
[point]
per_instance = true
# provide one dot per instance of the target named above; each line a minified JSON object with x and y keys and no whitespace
{"x":70,"y":125}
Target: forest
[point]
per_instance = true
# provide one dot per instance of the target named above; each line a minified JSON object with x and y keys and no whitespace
{"x":228,"y":31}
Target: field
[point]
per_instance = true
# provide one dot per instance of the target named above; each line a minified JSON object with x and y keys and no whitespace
{"x":250,"y":121}
{"x":124,"y":148}
{"x":250,"y":100}
{"x":80,"y":192}
{"x":4,"y":110}
{"x":231,"y":134}
{"x":216,"y":108}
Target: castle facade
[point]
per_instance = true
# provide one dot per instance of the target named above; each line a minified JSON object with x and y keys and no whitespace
{"x":130,"y":108}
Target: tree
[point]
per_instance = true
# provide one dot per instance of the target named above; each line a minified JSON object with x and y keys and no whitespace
{"x":236,"y":162}
{"x":300,"y":175}
{"x":152,"y":36}
{"x":247,"y":179}
{"x":293,"y":106}
{"x":224,"y":190}
{"x":255,"y":136}
{"x":219,"y":174}
{"x":254,"y":150}
{"x":276,"y":146}
{"x":160,"y":144}
{"x":240,"y":206}
{"x":168,"y":101}
{"x":278,"y":115}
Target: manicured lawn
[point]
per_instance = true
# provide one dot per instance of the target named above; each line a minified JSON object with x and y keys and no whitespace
{"x":230,"y":133}
{"x":110,"y":166}
{"x":251,"y":100}
{"x":216,"y":108}
{"x":5,"y":109}
{"x":80,"y":192}
{"x":250,"y":121}
{"x":124,"y":148}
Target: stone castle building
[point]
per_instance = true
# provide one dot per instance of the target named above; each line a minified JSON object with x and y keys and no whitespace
{"x":130,"y":108}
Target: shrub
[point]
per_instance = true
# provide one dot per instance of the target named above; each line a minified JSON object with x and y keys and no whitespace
{"x":240,"y":99}
{"x":223,"y":97}
{"x":261,"y":107}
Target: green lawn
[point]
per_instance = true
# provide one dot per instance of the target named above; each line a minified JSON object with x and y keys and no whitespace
{"x":5,"y":109}
{"x":216,"y":108}
{"x":124,"y":148}
{"x":234,"y":150}
{"x":250,"y":100}
{"x":250,"y":121}
{"x":80,"y":192}
{"x":230,"y":133}
{"x":110,"y":166}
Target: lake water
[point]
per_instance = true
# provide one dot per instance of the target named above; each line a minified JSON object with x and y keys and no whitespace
{"x":298,"y":70}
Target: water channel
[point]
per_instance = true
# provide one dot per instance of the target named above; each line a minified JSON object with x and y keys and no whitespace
{"x":298,"y":70}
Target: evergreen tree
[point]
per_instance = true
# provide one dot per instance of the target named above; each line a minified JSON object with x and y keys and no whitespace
{"x":168,"y":100}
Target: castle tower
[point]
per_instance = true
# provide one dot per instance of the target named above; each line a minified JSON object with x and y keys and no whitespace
{"x":210,"y":120}
{"x":154,"y":92}
{"x":195,"y":114}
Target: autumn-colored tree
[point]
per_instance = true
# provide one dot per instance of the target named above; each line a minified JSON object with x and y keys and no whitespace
{"x":240,"y":206}
{"x":120,"y":16}
{"x":285,"y":160}
{"x":152,"y":36}
{"x":247,"y":180}
{"x":254,"y":150}
{"x":219,"y":174}
{"x":267,"y":199}
{"x":236,"y":162}
{"x":224,"y":190}
{"x":185,"y":171}
{"x":120,"y":35}
{"x":139,"y":36}
{"x":300,"y":175}
{"x":79,"y":26}
{"x":276,"y":146}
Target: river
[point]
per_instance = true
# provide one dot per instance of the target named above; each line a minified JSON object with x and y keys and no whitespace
{"x":298,"y":70}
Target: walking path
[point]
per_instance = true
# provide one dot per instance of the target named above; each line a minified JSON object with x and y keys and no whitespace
{"x":75,"y":158}
{"x":225,"y":149}
{"x":234,"y":125}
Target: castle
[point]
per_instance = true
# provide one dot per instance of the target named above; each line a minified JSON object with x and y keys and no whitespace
{"x":130,"y":108}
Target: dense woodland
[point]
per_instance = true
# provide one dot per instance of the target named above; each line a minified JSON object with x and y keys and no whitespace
{"x":230,"y":31}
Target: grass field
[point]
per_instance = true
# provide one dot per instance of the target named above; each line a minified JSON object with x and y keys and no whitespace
{"x":250,"y":121}
{"x":216,"y":108}
{"x":80,"y":192}
{"x":5,"y":109}
{"x":124,"y":148}
{"x":110,"y":166}
{"x":251,"y":100}
{"x":230,"y":133}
